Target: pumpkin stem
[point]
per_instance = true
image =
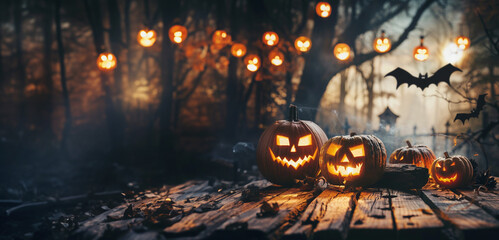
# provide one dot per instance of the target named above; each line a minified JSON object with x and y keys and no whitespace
{"x":352,"y":134}
{"x":408,"y":143}
{"x":293,"y":113}
{"x":446,"y":154}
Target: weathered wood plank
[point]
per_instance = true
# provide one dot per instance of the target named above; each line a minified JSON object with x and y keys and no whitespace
{"x":467,"y":217}
{"x":413,"y":218}
{"x":403,"y":176}
{"x":489,"y":201}
{"x":248,"y":225}
{"x":372,"y":216}
{"x":326,"y":217}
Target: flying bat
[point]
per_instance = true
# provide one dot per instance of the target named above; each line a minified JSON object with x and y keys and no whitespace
{"x":423,"y":81}
{"x":475,"y":112}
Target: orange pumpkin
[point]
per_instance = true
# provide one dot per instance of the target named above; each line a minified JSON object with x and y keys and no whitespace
{"x":452,"y":172}
{"x":177,"y":34}
{"x":270,"y":38}
{"x":146,"y":37}
{"x":238,"y":50}
{"x":342,"y":51}
{"x":421,"y":53}
{"x":106,"y":61}
{"x":323,"y":9}
{"x":419,"y":155}
{"x":463,"y":42}
{"x":382,"y":44}
{"x":303,"y":44}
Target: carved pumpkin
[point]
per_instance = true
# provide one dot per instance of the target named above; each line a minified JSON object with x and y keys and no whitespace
{"x":276,"y":57}
{"x":106,"y":61}
{"x":323,"y":9}
{"x":289,"y":150}
{"x":382,"y":44}
{"x":421,"y":53}
{"x":355,"y":160}
{"x":270,"y":38}
{"x":252,"y":62}
{"x":419,"y":155}
{"x":303,"y":44}
{"x":177,"y":34}
{"x":452,"y":172}
{"x":463,"y":42}
{"x":220,"y":39}
{"x":342,"y":51}
{"x":238,"y":50}
{"x":146,"y":37}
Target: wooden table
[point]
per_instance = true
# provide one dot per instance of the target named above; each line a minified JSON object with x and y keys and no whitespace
{"x":216,"y":211}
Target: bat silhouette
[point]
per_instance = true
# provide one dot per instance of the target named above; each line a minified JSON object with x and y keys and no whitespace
{"x":474,"y":113}
{"x":423,"y":81}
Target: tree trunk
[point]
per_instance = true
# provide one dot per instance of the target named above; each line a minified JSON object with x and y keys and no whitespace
{"x":2,"y":77}
{"x":21,"y":71}
{"x":45,"y":105}
{"x":65,"y":94}
{"x":128,"y":38}
{"x":343,"y":94}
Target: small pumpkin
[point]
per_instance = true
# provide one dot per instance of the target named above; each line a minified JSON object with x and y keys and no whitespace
{"x":289,"y":149}
{"x":452,"y":172}
{"x":355,"y":160}
{"x":419,"y":155}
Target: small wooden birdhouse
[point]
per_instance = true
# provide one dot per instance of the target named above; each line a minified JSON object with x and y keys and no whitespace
{"x":387,"y":120}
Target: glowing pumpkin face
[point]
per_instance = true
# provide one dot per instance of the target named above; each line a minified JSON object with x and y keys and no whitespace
{"x":452,"y":172}
{"x":288,"y":150}
{"x":382,"y":44}
{"x":303,"y":44}
{"x":146,"y":38}
{"x":323,"y":9}
{"x":342,"y":51}
{"x":463,"y":42}
{"x":270,"y":38}
{"x":106,"y":61}
{"x":356,"y":160}
{"x":238,"y":50}
{"x":177,"y":34}
{"x":276,"y":57}
{"x":252,"y":62}
{"x":421,"y":53}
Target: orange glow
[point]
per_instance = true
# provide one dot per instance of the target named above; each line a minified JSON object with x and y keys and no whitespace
{"x":343,"y":171}
{"x":146,"y":38}
{"x":303,"y":44}
{"x":421,"y":53}
{"x":282,"y":140}
{"x":177,"y":34}
{"x":276,"y":57}
{"x":238,"y":50}
{"x":462,"y":42}
{"x":106,"y":61}
{"x":270,"y":38}
{"x":357,"y":151}
{"x":252,"y":62}
{"x":292,"y":162}
{"x":342,"y":51}
{"x":323,"y":9}
{"x":332,"y":149}
{"x":221,"y":38}
{"x":382,"y":44}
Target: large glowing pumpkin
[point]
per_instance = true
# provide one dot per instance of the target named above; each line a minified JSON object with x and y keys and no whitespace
{"x":270,"y":38}
{"x":289,"y":150}
{"x":303,"y":44}
{"x":323,"y":9}
{"x":276,"y":57}
{"x":463,"y":42}
{"x":177,"y":34}
{"x":252,"y":62}
{"x":452,"y":172}
{"x":238,"y":50}
{"x":146,"y":37}
{"x":342,"y":51}
{"x":382,"y":44}
{"x":355,"y":160}
{"x":419,"y":155}
{"x":106,"y":61}
{"x":421,"y":53}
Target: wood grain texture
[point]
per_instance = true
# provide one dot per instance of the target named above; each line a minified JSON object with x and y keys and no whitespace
{"x":489,"y":201}
{"x":372,"y":216}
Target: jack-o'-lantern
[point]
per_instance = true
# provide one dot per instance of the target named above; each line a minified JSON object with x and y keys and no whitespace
{"x":252,"y":62}
{"x":146,"y":37}
{"x":221,"y":38}
{"x":463,"y":42}
{"x":355,"y":160}
{"x":452,"y":172}
{"x":382,"y":44}
{"x":177,"y":34}
{"x":342,"y":51}
{"x":238,"y":50}
{"x":421,"y":53}
{"x":276,"y":57}
{"x":289,"y":149}
{"x":323,"y":9}
{"x":303,"y":44}
{"x":270,"y":38}
{"x":106,"y":61}
{"x":419,"y":155}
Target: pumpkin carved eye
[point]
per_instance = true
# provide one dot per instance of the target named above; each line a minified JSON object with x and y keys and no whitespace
{"x":305,"y":141}
{"x":357,"y":151}
{"x":282,"y":140}
{"x":438,"y":165}
{"x":453,"y":164}
{"x":333,"y":148}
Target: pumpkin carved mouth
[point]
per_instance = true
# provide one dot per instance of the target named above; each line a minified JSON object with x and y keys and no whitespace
{"x":291,"y":162}
{"x":449,"y":179}
{"x":344,"y":171}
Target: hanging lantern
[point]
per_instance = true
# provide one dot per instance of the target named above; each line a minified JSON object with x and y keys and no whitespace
{"x":276,"y":57}
{"x":221,"y":38}
{"x":238,"y":50}
{"x":323,"y":9}
{"x":421,"y":52}
{"x":252,"y":62}
{"x":106,"y":61}
{"x":270,"y":38}
{"x":146,"y":37}
{"x":177,"y":34}
{"x":382,"y":44}
{"x":463,"y":42}
{"x":303,"y":44}
{"x":342,"y":51}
